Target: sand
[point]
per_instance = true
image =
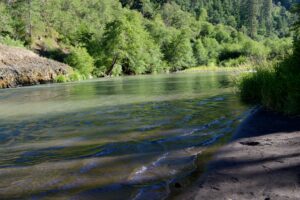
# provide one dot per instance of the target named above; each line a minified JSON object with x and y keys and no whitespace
{"x":261,"y":162}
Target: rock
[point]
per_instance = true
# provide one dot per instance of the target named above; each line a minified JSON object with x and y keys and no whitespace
{"x":21,"y":67}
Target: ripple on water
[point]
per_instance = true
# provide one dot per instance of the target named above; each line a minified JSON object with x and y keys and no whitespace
{"x":84,"y":143}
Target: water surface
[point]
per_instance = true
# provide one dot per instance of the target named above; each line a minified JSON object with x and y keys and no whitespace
{"x":121,"y":138}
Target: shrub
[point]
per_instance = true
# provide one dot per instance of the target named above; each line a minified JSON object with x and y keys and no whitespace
{"x":212,"y":47}
{"x":230,"y":51}
{"x":279,"y":48}
{"x":255,"y":49}
{"x":117,"y":71}
{"x":222,"y":35}
{"x":80,"y":60}
{"x":275,"y":87}
{"x":60,"y":79}
{"x":99,"y":71}
{"x":234,"y":62}
{"x":11,"y":42}
{"x":200,"y":53}
{"x":75,"y":76}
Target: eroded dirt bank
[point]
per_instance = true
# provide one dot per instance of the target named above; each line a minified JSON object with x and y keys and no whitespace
{"x":261,"y":163}
{"x":20,"y":67}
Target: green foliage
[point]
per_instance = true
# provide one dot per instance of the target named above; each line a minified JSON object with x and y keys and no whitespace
{"x":5,"y":20}
{"x":61,"y":79}
{"x":235,"y":62}
{"x":76,"y":76}
{"x":115,"y":37}
{"x":213,"y":49}
{"x":200,"y":53}
{"x":221,"y":34}
{"x":296,"y":28}
{"x":125,"y":43}
{"x":178,"y":52}
{"x":255,"y":49}
{"x":279,"y":48}
{"x":276,"y":88}
{"x":11,"y":42}
{"x":175,"y":17}
{"x":80,"y":59}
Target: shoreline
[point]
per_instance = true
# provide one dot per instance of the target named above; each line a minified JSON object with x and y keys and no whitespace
{"x":261,"y":161}
{"x":27,"y":69}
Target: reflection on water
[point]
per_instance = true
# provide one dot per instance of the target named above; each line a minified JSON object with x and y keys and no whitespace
{"x":110,"y":138}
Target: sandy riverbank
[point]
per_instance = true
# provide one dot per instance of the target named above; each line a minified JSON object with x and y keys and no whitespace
{"x":261,"y":162}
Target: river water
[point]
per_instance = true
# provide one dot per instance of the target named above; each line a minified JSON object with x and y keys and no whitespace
{"x":121,"y":138}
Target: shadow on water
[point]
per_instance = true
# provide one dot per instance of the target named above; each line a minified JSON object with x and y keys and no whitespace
{"x":130,"y":136}
{"x":264,"y":122}
{"x":147,"y":127}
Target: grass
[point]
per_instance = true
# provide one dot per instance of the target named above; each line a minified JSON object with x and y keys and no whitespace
{"x":61,"y":79}
{"x":218,"y":68}
{"x":72,"y":77}
{"x":11,"y":42}
{"x":275,"y":86}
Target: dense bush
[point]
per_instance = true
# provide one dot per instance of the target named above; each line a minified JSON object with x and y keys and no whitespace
{"x":200,"y":53}
{"x":236,"y":62}
{"x":80,"y":60}
{"x":60,"y":79}
{"x":279,"y":48}
{"x":275,"y":87}
{"x":76,"y":76}
{"x":11,"y":42}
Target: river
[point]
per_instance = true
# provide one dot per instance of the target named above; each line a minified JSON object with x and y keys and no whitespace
{"x":119,"y":138}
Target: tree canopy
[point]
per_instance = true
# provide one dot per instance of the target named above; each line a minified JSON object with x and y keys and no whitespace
{"x":148,"y":36}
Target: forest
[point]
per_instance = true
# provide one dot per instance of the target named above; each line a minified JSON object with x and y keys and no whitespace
{"x":127,"y":37}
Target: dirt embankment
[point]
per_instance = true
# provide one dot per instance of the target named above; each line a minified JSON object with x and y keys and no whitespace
{"x":261,"y":163}
{"x":21,"y":67}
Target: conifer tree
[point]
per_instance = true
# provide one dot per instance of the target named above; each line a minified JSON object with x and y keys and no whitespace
{"x":267,"y":7}
{"x":252,"y":17}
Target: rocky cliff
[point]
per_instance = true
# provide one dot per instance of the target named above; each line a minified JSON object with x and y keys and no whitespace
{"x":21,"y":67}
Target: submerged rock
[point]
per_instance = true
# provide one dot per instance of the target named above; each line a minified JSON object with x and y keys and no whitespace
{"x":21,"y":67}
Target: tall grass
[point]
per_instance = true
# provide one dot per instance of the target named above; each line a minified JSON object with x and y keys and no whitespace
{"x":11,"y":42}
{"x":275,"y":86}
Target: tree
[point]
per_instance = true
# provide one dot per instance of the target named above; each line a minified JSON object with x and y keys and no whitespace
{"x":296,"y":28}
{"x":252,"y":17}
{"x":5,"y":20}
{"x":125,"y":43}
{"x":178,"y":52}
{"x":267,"y":9}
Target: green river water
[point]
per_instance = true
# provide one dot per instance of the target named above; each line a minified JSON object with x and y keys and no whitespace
{"x":120,"y":138}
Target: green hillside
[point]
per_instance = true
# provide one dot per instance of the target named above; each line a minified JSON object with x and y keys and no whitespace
{"x":111,"y":37}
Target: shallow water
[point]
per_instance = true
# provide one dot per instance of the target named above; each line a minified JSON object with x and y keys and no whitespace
{"x":121,"y":138}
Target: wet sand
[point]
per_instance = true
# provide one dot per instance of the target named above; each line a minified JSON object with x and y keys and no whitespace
{"x":261,"y":162}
